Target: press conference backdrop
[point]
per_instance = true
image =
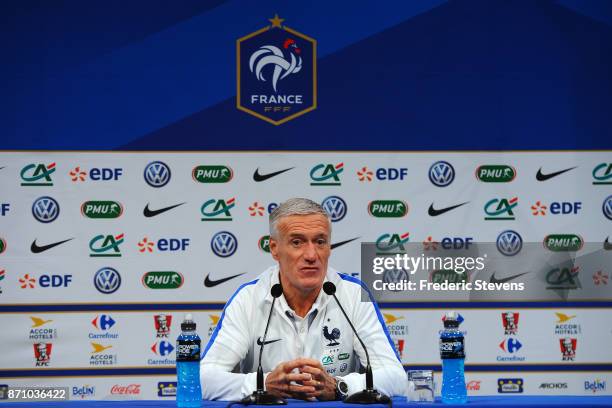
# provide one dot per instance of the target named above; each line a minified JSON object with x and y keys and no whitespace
{"x":103,"y":253}
{"x":92,"y":292}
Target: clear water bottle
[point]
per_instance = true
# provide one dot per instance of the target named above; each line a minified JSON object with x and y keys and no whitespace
{"x":452,"y":353}
{"x":188,"y":344}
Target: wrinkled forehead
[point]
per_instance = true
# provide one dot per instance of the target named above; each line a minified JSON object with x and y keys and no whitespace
{"x":307,"y":225}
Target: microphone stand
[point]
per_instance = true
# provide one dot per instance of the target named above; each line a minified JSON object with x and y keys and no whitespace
{"x":259,"y":396}
{"x":370,"y":395}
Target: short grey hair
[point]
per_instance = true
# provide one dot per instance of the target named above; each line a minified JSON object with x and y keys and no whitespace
{"x":295,"y":206}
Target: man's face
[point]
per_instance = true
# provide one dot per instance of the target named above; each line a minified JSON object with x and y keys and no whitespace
{"x":302,"y":250}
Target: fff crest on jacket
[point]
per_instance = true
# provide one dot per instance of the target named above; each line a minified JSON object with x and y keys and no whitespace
{"x":277,"y":69}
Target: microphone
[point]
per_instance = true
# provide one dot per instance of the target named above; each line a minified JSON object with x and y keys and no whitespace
{"x":369,"y":395}
{"x":259,"y":396}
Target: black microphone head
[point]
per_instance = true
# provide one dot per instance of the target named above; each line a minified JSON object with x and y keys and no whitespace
{"x":276,"y":290}
{"x":329,"y":288}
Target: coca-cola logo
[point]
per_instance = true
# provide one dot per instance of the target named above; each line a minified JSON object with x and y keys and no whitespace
{"x":132,"y":389}
{"x":473,"y":385}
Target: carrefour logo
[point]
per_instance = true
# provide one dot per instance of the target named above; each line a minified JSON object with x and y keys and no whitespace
{"x":37,"y":174}
{"x":218,"y":209}
{"x":326,"y":174}
{"x":162,"y":348}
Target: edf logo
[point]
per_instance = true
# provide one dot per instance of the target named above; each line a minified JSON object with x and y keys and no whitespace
{"x":556,"y":208}
{"x":96,"y":174}
{"x":164,"y":244}
{"x":383,"y":174}
{"x":4,"y":208}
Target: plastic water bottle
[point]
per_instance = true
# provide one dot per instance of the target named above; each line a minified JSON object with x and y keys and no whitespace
{"x":188,"y":344}
{"x":452,"y":353}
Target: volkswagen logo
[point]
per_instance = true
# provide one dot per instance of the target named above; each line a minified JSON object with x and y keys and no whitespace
{"x":224,"y":244}
{"x":509,"y":243}
{"x":395,"y":276}
{"x":107,"y":280}
{"x":157,"y":174}
{"x":335,"y":207}
{"x":607,"y":207}
{"x":45,"y":209}
{"x":441,"y":173}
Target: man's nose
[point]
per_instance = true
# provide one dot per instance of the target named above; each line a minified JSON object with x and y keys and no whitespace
{"x":310,"y":252}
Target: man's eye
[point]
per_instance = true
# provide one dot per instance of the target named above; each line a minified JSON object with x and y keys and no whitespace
{"x":321,"y":242}
{"x":295,"y":242}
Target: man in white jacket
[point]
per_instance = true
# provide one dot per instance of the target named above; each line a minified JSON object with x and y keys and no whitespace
{"x":310,"y":351}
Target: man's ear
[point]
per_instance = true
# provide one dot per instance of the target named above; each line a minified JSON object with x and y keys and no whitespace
{"x":274,"y":248}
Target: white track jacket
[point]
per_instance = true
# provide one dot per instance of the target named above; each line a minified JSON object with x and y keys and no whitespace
{"x":323,"y":334}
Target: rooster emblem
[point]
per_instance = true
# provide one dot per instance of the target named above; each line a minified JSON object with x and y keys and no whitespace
{"x":271,"y":55}
{"x":332,"y":337}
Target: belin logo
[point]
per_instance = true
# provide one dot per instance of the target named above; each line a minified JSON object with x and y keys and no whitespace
{"x":37,"y":174}
{"x":276,"y":73}
{"x":218,"y":209}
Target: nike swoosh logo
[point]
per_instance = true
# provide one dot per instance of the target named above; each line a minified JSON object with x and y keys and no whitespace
{"x":35,"y":248}
{"x":337,"y":244}
{"x":607,"y":244}
{"x":434,"y":213}
{"x":263,"y":177}
{"x":152,"y":213}
{"x":212,"y":283}
{"x":543,"y":177}
{"x":259,"y":342}
{"x":493,"y":279}
{"x":2,"y":167}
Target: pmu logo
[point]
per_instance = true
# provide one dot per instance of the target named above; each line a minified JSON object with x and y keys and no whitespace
{"x":163,"y":245}
{"x":107,"y":280}
{"x":277,"y":70}
{"x":101,"y":209}
{"x":264,"y":243}
{"x":563,"y":242}
{"x":157,"y":174}
{"x":326,"y":174}
{"x":224,"y":244}
{"x":387,"y":208}
{"x":37,"y":174}
{"x":509,"y":243}
{"x":606,"y":207}
{"x":568,"y":348}
{"x":441,"y":173}
{"x":45,"y":209}
{"x":95,"y":174}
{"x":162,"y":348}
{"x":510,"y":321}
{"x":382,"y":174}
{"x":510,"y":345}
{"x":500,"y":209}
{"x":42,"y":354}
{"x":335,"y":207}
{"x":212,"y":174}
{"x":218,"y":209}
{"x":106,"y":245}
{"x":392,"y":243}
{"x":162,"y":325}
{"x":556,"y":208}
{"x":602,"y":174}
{"x":494,"y":173}
{"x":103,"y":322}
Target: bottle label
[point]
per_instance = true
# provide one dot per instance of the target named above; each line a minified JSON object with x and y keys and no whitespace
{"x":452,"y":348}
{"x":188,"y":350}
